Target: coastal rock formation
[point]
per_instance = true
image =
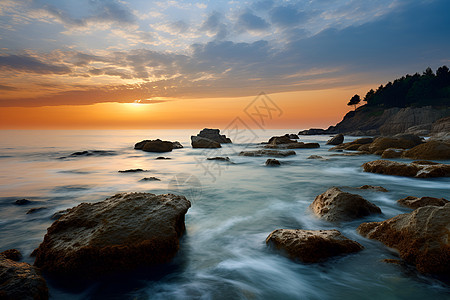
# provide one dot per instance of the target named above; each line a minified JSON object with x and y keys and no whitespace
{"x":123,"y":232}
{"x":310,"y":246}
{"x":313,"y":131}
{"x":214,"y":134}
{"x":354,"y":145}
{"x":421,"y":237}
{"x":292,"y":136}
{"x":336,"y":140}
{"x":416,"y":202}
{"x":335,"y":205}
{"x":429,"y":150}
{"x":19,"y":280}
{"x":264,"y":152}
{"x":200,"y":142}
{"x":271,"y":162}
{"x":177,"y":145}
{"x":12,"y":254}
{"x":154,"y":146}
{"x":419,"y":169}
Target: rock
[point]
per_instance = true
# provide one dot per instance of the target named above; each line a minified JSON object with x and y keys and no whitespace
{"x":19,"y":280}
{"x":371,"y":187}
{"x":293,"y":145}
{"x":90,"y":153}
{"x":132,"y":171}
{"x":310,"y":246}
{"x":22,"y":202}
{"x":277,"y":140}
{"x":219,"y":158}
{"x":421,"y":237}
{"x":416,"y":202}
{"x":123,"y":232}
{"x":417,"y":169}
{"x":264,"y":152}
{"x":150,"y":179}
{"x":364,"y":148}
{"x":335,"y":205}
{"x":35,"y":209}
{"x":349,"y":154}
{"x":154,"y":146}
{"x":292,"y":136}
{"x":271,"y":162}
{"x":200,"y":142}
{"x":12,"y":254}
{"x":354,"y":145}
{"x":314,"y":157}
{"x":214,"y":134}
{"x":336,"y":140}
{"x":313,"y":131}
{"x":392,"y":153}
{"x":59,"y":214}
{"x":177,"y":145}
{"x":422,"y":130}
{"x":162,"y":157}
{"x":441,"y":126}
{"x":383,"y":143}
{"x":429,"y":150}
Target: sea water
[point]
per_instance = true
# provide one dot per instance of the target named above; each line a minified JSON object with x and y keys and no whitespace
{"x":235,"y":205}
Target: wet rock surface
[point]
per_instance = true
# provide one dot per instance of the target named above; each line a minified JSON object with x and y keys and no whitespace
{"x":201,"y":142}
{"x":214,"y":135}
{"x":310,"y":246}
{"x":416,"y":202}
{"x":419,"y":169}
{"x":335,"y":205}
{"x":123,"y":232}
{"x":336,"y":140}
{"x":157,"y":145}
{"x":274,"y":153}
{"x":421,"y":237}
{"x":271,"y":162}
{"x":429,"y":150}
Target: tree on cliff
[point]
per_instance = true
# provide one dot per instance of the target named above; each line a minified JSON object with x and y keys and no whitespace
{"x":354,"y":101}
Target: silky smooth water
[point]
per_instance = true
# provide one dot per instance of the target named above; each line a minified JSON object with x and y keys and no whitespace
{"x":235,"y":206}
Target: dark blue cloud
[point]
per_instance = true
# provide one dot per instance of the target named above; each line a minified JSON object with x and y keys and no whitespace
{"x":287,"y":16}
{"x":214,"y":24}
{"x":249,"y":21}
{"x":31,"y":64}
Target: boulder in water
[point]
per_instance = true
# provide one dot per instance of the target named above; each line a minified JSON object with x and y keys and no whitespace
{"x":201,"y":142}
{"x":336,"y":140}
{"x":416,"y":202}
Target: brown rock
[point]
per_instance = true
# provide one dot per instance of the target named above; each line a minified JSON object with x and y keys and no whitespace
{"x":271,"y":162}
{"x":294,"y":145}
{"x":429,"y":150}
{"x":123,"y":232}
{"x":12,"y":254}
{"x":264,"y":152}
{"x":335,"y":205}
{"x":336,"y":140}
{"x":383,"y":143}
{"x":277,"y":140}
{"x":214,"y":135}
{"x":311,"y":246}
{"x":416,"y":202}
{"x":392,"y":153}
{"x":154,"y":146}
{"x":201,"y":142}
{"x":314,"y":157}
{"x":421,"y":237}
{"x":415,"y":169}
{"x":19,"y":280}
{"x":371,"y":187}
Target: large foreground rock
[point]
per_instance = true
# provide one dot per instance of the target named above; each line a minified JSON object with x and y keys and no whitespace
{"x":214,"y":134}
{"x":421,"y":237}
{"x":416,"y":202}
{"x":335,"y":205}
{"x":429,"y":150}
{"x":123,"y":232}
{"x":201,"y":142}
{"x":19,"y":280}
{"x":157,"y":146}
{"x":419,"y":169}
{"x":311,"y":246}
{"x":273,"y":153}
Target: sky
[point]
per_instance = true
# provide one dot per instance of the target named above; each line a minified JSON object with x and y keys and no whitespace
{"x":193,"y":64}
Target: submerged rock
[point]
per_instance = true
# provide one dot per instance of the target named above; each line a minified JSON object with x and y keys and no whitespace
{"x":314,"y":157}
{"x":371,"y":187}
{"x":201,"y":142}
{"x":277,"y":140}
{"x":155,"y":146}
{"x":421,"y":237}
{"x":416,"y":202}
{"x":214,"y":135}
{"x":123,"y":232}
{"x":274,"y":153}
{"x":335,"y":205}
{"x":429,"y":150}
{"x":419,"y":169}
{"x":90,"y":153}
{"x":294,"y":145}
{"x":162,"y":158}
{"x":22,"y":202}
{"x":271,"y":162}
{"x":219,"y":158}
{"x":336,"y":140}
{"x":311,"y":246}
{"x":19,"y":280}
{"x":35,"y":209}
{"x":132,"y":171}
{"x":354,"y":145}
{"x":150,"y":179}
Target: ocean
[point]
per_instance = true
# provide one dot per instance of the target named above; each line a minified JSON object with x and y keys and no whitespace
{"x":235,"y":206}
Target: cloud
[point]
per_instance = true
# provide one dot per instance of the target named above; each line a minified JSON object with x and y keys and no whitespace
{"x":7,"y":88}
{"x":250,"y":22}
{"x":287,"y":16}
{"x":214,"y":25}
{"x":31,"y":64}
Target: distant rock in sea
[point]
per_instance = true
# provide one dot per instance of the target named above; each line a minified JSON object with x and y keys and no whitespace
{"x":274,"y":153}
{"x":132,"y":171}
{"x":157,"y":146}
{"x":90,"y":153}
{"x":201,"y":142}
{"x":121,"y":233}
{"x":271,"y":162}
{"x":209,"y":138}
{"x":150,"y":179}
{"x":22,"y":202}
